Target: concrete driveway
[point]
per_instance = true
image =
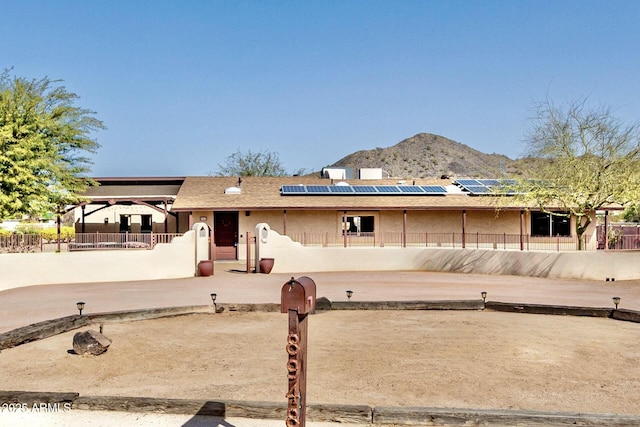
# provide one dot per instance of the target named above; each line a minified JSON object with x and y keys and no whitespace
{"x":27,"y":305}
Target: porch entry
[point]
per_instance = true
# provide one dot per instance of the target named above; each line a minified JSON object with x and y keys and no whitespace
{"x":125,"y":225}
{"x":225,"y":234}
{"x":146,"y":224}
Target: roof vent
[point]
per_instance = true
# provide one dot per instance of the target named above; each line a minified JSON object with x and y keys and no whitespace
{"x":342,"y":184}
{"x":233,"y":190}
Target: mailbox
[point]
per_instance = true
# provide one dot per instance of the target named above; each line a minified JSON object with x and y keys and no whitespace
{"x":299,"y":294}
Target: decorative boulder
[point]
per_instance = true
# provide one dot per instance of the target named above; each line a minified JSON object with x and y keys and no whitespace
{"x":323,"y":303}
{"x":90,"y":342}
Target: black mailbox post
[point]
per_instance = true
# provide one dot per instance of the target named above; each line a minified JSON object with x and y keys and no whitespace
{"x":298,"y":299}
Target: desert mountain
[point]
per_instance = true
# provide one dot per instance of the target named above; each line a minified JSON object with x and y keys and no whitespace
{"x":426,"y":156}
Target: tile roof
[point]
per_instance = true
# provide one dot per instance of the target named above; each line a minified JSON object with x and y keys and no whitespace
{"x":262,"y":193}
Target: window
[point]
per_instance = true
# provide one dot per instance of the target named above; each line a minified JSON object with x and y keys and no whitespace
{"x":358,"y":224}
{"x":544,"y":224}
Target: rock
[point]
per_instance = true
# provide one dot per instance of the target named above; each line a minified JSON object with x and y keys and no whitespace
{"x":90,"y":342}
{"x":323,"y":303}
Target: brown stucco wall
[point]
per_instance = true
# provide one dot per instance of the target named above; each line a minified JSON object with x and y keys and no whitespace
{"x":321,"y":222}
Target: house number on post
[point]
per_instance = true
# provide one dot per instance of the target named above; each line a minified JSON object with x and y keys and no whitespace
{"x":298,"y":299}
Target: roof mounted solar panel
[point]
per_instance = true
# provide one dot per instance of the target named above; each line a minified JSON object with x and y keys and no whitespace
{"x":387,"y":189}
{"x":364,"y":189}
{"x":478,"y":189}
{"x":410,"y":189}
{"x":434,"y":189}
{"x":318,"y":189}
{"x":467,"y":182}
{"x":293,"y":189}
{"x":341,"y":189}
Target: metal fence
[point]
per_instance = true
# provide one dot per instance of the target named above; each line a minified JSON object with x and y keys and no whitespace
{"x":617,"y":241}
{"x":445,"y":240}
{"x":21,"y":243}
{"x":86,"y":241}
{"x":25,"y":243}
{"x":619,"y":237}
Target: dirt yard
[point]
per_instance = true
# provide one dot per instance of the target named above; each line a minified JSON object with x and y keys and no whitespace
{"x":472,"y":359}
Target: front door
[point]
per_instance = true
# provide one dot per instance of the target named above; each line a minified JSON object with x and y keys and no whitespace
{"x":225,"y":234}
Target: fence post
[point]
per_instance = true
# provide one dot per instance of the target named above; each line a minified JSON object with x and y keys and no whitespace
{"x":521,"y":241}
{"x":558,"y":242}
{"x":248,"y":252}
{"x":477,"y":240}
{"x":59,"y":235}
{"x":504,"y":241}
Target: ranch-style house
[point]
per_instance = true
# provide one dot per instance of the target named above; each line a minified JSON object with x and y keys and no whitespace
{"x":321,"y":211}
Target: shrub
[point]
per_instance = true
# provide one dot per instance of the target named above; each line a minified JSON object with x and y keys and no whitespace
{"x":27,"y":229}
{"x":4,"y":233}
{"x":51,"y":234}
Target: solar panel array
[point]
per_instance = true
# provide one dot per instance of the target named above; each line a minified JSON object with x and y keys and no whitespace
{"x":473,"y":187}
{"x":478,"y":187}
{"x":363,"y":190}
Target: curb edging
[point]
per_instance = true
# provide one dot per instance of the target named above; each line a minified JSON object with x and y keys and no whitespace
{"x":362,"y":414}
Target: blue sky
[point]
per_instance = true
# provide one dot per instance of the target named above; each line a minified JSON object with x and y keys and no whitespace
{"x":181,"y":85}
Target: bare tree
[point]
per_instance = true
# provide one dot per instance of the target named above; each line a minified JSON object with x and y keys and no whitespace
{"x":588,"y":160}
{"x":262,"y":163}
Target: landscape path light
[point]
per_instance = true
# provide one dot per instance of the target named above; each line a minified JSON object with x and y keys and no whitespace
{"x":213,"y":299}
{"x":80,"y":306}
{"x":349,"y":294}
{"x":616,"y":301}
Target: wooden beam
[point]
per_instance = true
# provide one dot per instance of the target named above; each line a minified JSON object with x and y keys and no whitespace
{"x":162,"y":211}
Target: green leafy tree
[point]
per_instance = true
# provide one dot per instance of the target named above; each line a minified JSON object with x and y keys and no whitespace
{"x":586,"y":160}
{"x":44,"y":139}
{"x":261,"y":163}
{"x":632,"y":213}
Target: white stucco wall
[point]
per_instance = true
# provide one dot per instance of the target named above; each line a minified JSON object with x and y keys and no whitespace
{"x":165,"y":261}
{"x":291,"y":257}
{"x":178,"y":260}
